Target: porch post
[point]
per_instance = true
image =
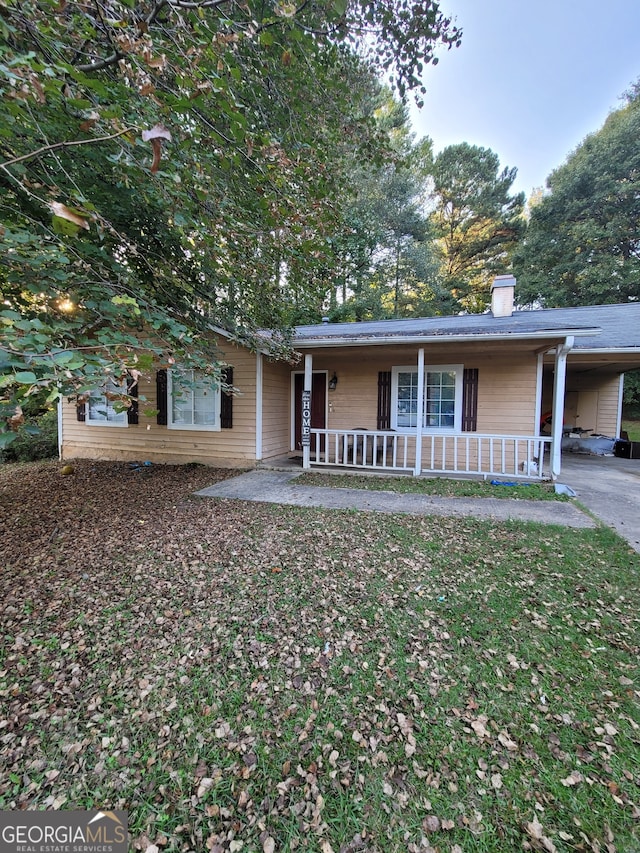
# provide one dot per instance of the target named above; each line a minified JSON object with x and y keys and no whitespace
{"x":538,"y":413}
{"x":557,"y":409}
{"x":418,"y":466}
{"x":60,"y":427}
{"x":259,"y":405}
{"x":306,"y":411}
{"x":620,"y":398}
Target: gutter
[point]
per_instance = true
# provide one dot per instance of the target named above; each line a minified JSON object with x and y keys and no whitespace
{"x":315,"y":343}
{"x":608,"y":350}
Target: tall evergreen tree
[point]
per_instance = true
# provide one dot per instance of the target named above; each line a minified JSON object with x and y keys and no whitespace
{"x":582,"y":245}
{"x":388,"y":265}
{"x":476,"y":222}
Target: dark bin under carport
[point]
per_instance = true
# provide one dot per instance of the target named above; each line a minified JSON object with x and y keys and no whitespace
{"x":625,"y":449}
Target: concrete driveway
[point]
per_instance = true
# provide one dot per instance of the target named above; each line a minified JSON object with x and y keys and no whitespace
{"x":610,"y":488}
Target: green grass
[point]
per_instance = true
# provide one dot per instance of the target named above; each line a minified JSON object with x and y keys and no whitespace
{"x":632,"y":427}
{"x":439,"y":486}
{"x":234,"y":672}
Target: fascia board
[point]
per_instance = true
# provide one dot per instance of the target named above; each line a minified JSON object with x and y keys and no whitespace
{"x":559,"y":334}
{"x":607,"y":350}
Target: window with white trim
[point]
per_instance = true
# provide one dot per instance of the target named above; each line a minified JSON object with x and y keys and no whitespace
{"x":193,"y":401}
{"x":104,"y":406}
{"x":442,"y":410}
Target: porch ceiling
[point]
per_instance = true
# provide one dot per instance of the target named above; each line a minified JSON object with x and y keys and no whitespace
{"x":602,"y":363}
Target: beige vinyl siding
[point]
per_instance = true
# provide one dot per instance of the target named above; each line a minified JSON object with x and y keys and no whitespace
{"x":597,"y":403}
{"x":608,"y":400}
{"x":591,"y":403}
{"x":507,"y":395}
{"x":149,"y":441}
{"x":276,"y":409}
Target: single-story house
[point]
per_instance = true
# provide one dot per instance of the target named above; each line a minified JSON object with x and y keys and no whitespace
{"x":487,"y":394}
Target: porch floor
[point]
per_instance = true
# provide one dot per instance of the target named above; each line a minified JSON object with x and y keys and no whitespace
{"x":294,"y":463}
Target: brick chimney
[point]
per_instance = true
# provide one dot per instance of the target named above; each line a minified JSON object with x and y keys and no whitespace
{"x":502,"y":291}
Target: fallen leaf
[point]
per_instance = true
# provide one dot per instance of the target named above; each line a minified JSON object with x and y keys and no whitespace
{"x":506,"y":741}
{"x":534,"y":828}
{"x":205,"y":785}
{"x":431,"y":823}
{"x":479,"y":726}
{"x":574,"y":778}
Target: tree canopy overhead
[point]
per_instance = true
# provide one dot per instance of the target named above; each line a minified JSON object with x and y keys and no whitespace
{"x":171,"y":165}
{"x":583,"y":241}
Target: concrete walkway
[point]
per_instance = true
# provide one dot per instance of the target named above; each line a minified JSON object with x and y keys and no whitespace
{"x":280,"y":487}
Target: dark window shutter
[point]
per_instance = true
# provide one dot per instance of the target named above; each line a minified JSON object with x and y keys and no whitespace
{"x":226,"y":400}
{"x":161,"y":398}
{"x":132,"y":391}
{"x":81,"y":411}
{"x":384,"y":399}
{"x":470,"y":399}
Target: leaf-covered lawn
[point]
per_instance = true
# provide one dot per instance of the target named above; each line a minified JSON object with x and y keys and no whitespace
{"x":246,"y":677}
{"x":440,"y":486}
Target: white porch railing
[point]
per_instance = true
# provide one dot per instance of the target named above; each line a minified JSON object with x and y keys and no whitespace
{"x":385,"y":451}
{"x":489,"y":455}
{"x":514,"y":456}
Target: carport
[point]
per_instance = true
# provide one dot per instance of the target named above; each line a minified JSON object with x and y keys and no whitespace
{"x":608,"y":487}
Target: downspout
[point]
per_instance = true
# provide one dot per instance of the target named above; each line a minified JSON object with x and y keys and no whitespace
{"x":557,"y":408}
{"x":306,"y":440}
{"x":418,"y":466}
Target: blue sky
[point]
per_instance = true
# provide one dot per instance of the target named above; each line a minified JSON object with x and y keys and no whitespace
{"x":531,"y":79}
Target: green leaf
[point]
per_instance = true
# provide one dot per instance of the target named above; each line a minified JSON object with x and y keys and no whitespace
{"x":6,"y":438}
{"x":64,"y":227}
{"x":25,"y":377}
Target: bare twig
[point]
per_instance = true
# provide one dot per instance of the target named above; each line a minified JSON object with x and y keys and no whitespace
{"x":116,"y":56}
{"x":46,"y":148}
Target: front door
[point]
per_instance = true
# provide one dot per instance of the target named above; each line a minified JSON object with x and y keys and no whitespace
{"x":318,"y":405}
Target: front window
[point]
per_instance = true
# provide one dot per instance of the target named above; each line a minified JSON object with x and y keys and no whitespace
{"x":442,"y":409}
{"x":194,"y":401}
{"x":105,"y":407}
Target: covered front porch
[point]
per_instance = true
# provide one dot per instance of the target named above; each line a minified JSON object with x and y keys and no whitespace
{"x":460,"y":444}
